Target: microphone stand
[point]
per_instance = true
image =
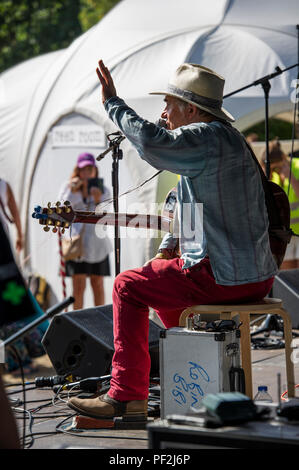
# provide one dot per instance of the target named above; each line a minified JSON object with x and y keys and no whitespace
{"x":271,"y":321}
{"x":265,"y":83}
{"x":48,"y":314}
{"x":115,"y":140}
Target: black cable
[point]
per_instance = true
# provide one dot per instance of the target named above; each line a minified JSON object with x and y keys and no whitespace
{"x":265,"y":358}
{"x":35,"y":401}
{"x":29,"y":425}
{"x":32,"y":435}
{"x":18,"y":384}
{"x":19,"y":391}
{"x":23,"y":389}
{"x":32,"y":414}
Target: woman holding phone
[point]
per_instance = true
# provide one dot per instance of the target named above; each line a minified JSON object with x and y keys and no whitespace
{"x":85,"y":190}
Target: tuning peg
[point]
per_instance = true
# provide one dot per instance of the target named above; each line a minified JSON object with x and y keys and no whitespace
{"x":54,"y":230}
{"x":37,"y":209}
{"x":58,"y":210}
{"x":63,"y":230}
{"x":67,"y":205}
{"x":46,"y":228}
{"x":39,"y":216}
{"x":49,"y":211}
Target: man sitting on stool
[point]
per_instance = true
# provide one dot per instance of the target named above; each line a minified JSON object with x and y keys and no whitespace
{"x":228,"y":260}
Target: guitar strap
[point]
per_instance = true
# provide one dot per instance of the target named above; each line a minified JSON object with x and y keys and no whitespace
{"x":272,"y":209}
{"x":270,"y":202}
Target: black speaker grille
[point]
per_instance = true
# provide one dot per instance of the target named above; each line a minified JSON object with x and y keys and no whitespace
{"x":81,"y":342}
{"x":97,"y":322}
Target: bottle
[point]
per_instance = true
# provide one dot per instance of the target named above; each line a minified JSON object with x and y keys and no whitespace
{"x":263,"y":395}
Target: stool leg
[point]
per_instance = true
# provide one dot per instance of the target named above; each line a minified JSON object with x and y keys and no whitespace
{"x":246,"y":352}
{"x":287,"y":327}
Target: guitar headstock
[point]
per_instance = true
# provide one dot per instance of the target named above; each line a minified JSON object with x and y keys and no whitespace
{"x":58,"y":216}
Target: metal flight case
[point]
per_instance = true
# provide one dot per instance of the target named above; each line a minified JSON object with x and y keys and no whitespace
{"x":196,"y":363}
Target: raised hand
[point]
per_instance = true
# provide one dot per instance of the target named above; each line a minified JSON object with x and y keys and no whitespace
{"x":108,"y":88}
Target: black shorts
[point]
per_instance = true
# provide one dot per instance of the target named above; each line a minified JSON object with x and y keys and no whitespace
{"x":98,"y":269}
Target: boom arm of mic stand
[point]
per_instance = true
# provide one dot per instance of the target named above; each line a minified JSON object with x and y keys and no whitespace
{"x":48,"y":314}
{"x":113,"y":145}
{"x":260,"y":81}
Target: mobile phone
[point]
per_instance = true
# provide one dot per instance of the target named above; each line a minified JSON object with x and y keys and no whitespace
{"x":95,"y":183}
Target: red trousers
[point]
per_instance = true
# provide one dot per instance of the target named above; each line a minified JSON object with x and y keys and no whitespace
{"x":168,"y":289}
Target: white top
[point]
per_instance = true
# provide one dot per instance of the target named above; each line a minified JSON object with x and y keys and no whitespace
{"x":96,"y":243}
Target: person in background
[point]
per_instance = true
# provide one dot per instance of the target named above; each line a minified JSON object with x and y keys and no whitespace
{"x":7,"y":201}
{"x":280,"y":171}
{"x":94,"y":263}
{"x":253,"y":137}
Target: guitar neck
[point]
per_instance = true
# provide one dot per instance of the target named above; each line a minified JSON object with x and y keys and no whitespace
{"x":147,"y":221}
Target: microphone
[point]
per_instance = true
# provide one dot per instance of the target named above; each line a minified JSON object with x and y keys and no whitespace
{"x":113,"y":143}
{"x":161,"y":123}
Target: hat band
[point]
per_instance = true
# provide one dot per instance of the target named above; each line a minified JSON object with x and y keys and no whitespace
{"x":198,"y":99}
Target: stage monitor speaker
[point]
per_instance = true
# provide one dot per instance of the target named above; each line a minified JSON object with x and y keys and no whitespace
{"x":286,"y":288}
{"x":81,"y":342}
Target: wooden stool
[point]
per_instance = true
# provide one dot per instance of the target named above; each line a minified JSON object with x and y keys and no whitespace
{"x":227,"y":312}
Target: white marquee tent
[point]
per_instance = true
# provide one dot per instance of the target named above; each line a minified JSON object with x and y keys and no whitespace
{"x":50,"y":107}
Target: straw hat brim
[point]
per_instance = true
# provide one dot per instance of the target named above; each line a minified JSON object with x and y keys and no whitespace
{"x":220,"y":113}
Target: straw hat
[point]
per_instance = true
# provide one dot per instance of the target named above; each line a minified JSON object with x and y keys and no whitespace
{"x":200,"y":86}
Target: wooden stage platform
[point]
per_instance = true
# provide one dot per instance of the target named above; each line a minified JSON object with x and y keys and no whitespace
{"x":49,"y":420}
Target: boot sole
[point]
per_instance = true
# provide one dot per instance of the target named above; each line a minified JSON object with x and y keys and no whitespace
{"x":130,"y":415}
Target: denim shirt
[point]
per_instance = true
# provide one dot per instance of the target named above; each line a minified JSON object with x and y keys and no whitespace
{"x":218,"y":175}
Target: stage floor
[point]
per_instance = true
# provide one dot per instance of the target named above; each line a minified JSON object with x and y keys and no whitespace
{"x":42,"y":423}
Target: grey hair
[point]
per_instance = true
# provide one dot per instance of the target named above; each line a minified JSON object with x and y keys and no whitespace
{"x":183,"y":104}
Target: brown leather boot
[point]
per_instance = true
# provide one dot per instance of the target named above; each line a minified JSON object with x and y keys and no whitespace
{"x":106,"y":407}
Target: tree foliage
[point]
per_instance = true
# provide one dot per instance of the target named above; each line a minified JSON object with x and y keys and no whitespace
{"x":277,"y":128}
{"x":33,"y":27}
{"x":93,"y":10}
